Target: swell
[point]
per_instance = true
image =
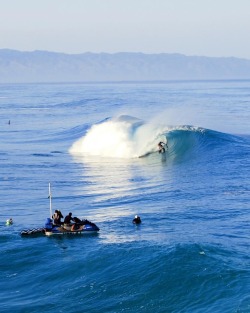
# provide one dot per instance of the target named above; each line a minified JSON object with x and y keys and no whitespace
{"x":176,"y":278}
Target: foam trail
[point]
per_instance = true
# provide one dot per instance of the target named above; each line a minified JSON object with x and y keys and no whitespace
{"x":123,"y":137}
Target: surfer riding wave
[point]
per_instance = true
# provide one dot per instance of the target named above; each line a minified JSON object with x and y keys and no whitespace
{"x":129,"y":137}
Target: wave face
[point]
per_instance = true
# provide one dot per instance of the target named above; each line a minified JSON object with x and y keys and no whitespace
{"x":128,"y":137}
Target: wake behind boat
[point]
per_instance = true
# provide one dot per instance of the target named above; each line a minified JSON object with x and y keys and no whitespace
{"x":52,"y":227}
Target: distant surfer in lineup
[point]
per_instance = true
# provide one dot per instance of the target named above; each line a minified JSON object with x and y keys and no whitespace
{"x":137,"y":220}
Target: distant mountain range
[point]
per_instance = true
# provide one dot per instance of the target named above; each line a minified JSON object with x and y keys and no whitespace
{"x":43,"y":66}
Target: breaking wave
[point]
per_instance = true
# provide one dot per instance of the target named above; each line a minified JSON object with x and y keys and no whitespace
{"x":130,"y":137}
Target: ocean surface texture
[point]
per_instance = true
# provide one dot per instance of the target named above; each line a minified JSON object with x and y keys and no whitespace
{"x":97,"y":146}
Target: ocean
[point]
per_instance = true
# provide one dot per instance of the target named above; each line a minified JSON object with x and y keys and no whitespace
{"x":96,"y":144}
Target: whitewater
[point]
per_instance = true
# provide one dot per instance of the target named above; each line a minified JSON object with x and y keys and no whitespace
{"x":97,"y":145}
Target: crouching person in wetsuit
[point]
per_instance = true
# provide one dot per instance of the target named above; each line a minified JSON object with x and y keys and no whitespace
{"x":77,"y":220}
{"x":78,"y":223}
{"x":161,"y":147}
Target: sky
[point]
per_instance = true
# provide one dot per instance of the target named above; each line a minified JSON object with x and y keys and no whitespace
{"x":215,"y":28}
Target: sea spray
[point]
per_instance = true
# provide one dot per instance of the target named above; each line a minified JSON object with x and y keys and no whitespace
{"x":122,"y":137}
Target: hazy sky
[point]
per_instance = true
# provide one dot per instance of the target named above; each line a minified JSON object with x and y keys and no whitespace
{"x":191,"y":27}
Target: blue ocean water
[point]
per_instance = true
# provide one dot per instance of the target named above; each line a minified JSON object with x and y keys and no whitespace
{"x":191,"y":252}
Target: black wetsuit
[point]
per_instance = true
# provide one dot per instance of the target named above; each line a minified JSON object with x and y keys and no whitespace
{"x":137,"y":220}
{"x":68,"y":219}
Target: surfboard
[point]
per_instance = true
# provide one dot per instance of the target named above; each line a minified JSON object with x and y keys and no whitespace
{"x":145,"y":155}
{"x":163,"y":151}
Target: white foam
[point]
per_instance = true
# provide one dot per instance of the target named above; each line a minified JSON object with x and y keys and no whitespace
{"x":123,"y":137}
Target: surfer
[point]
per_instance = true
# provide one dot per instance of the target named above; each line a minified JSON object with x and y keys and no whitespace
{"x":161,"y":147}
{"x":137,"y":220}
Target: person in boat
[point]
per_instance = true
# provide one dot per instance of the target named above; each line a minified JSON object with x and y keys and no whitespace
{"x":68,"y":219}
{"x":161,"y":147}
{"x":77,"y":220}
{"x":57,"y":216}
{"x":77,"y":223}
{"x":137,"y":220}
{"x":60,"y":216}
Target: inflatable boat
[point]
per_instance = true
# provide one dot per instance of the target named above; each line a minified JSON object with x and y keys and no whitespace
{"x":83,"y":227}
{"x":50,"y":228}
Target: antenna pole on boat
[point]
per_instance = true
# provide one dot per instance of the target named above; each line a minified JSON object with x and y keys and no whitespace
{"x":50,"y":202}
